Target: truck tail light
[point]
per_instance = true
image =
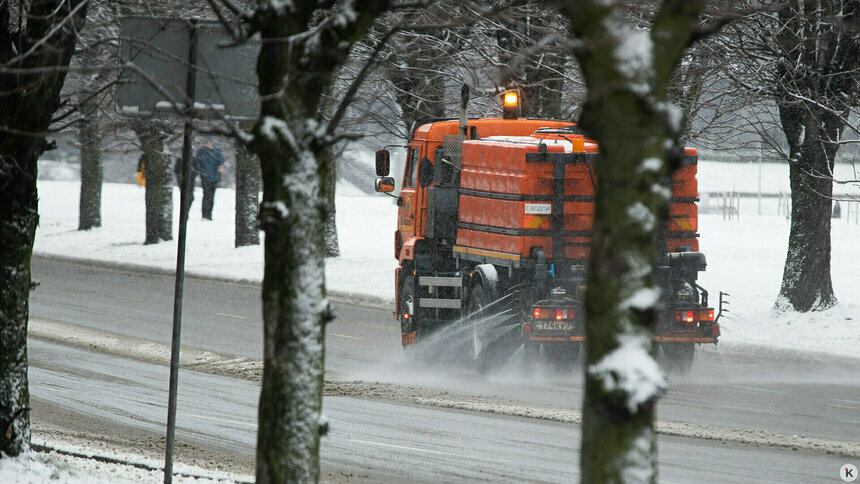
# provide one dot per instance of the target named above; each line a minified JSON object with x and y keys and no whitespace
{"x":684,"y":316}
{"x":559,"y":314}
{"x":527,"y":328}
{"x":694,"y":315}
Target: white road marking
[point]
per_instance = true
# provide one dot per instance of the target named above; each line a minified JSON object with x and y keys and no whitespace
{"x":757,"y":390}
{"x":234,"y":316}
{"x":840,"y":406}
{"x":224,"y":420}
{"x":345,"y":336}
{"x":844,"y":401}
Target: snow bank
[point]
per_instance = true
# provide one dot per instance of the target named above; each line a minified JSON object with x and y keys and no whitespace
{"x":38,"y":467}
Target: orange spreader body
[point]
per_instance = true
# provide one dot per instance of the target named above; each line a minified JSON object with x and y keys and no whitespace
{"x":501,"y":190}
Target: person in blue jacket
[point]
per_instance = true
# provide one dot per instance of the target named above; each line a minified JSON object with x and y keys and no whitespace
{"x":209,"y":163}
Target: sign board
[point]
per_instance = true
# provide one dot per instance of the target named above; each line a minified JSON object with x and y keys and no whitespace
{"x":154,"y":64}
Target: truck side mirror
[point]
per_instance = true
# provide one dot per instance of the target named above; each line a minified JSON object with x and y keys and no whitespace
{"x":383,"y":162}
{"x":425,"y":174}
{"x":385,"y":184}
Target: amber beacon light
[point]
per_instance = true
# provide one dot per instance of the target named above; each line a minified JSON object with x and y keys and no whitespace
{"x":511,"y":105}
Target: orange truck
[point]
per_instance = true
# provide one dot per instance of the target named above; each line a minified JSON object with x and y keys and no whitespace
{"x":493,"y":239}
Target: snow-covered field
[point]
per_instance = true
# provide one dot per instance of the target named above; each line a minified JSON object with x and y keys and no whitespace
{"x":745,"y":258}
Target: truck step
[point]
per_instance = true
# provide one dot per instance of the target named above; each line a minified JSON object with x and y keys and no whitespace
{"x":426,"y":302}
{"x":440,"y":281}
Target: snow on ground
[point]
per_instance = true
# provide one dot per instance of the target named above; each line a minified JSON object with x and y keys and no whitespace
{"x":41,"y":467}
{"x":745,"y":259}
{"x":745,"y":254}
{"x":367,"y":225}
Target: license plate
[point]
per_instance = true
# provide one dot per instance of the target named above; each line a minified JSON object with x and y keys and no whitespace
{"x":552,"y":325}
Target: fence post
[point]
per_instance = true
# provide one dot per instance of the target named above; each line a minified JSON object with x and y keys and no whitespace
{"x":738,"y":208}
{"x":759,"y":184}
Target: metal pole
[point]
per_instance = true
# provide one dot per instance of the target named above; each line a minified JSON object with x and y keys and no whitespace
{"x":184,"y":202}
{"x":759,"y":183}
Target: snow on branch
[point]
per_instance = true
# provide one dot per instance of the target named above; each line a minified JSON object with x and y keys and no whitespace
{"x":641,"y":215}
{"x":276,"y":130}
{"x":630,"y":373}
{"x":634,"y":53}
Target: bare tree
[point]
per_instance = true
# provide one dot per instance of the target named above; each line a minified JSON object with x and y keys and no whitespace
{"x":532,"y":58}
{"x":158,"y":171}
{"x":627,"y":72}
{"x":302,"y":45}
{"x":795,"y":69}
{"x":87,"y":87}
{"x":818,"y":69}
{"x":441,"y":45}
{"x":248,"y":184}
{"x":37,"y":40}
{"x":89,"y":137}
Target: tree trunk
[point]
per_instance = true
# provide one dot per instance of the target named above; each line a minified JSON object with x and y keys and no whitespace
{"x":27,"y":103}
{"x":806,"y":283}
{"x":617,"y":435}
{"x":158,"y":172}
{"x":248,"y":186}
{"x":293,"y":293}
{"x":90,"y":211}
{"x":18,"y":219}
{"x":293,"y":318}
{"x":626,"y":112}
{"x":290,"y":139}
{"x":330,"y":157}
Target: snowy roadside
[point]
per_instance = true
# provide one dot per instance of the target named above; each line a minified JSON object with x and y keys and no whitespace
{"x":745,"y":259}
{"x":79,"y":464}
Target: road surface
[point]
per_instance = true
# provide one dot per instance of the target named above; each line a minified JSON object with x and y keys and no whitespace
{"x":415,"y":442}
